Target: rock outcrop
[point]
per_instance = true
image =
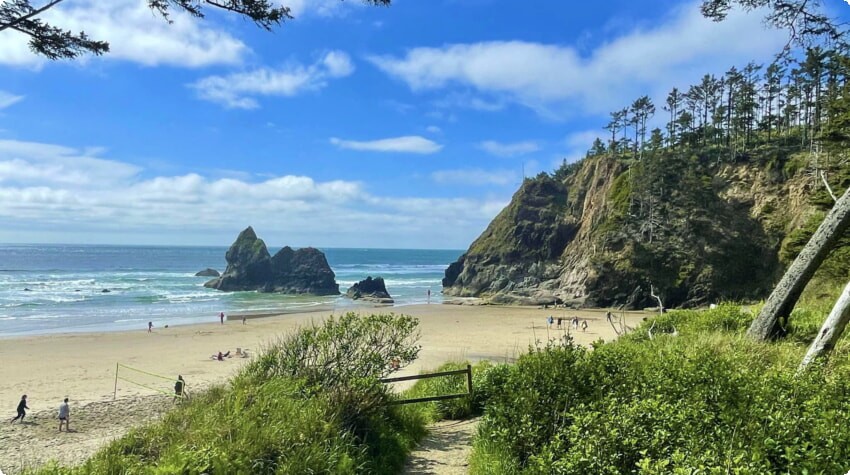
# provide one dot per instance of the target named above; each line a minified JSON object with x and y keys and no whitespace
{"x":208,"y":272}
{"x":593,"y":236}
{"x":250,"y":267}
{"x":373,"y":290}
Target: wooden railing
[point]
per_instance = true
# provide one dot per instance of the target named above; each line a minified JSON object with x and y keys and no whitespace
{"x":467,"y":372}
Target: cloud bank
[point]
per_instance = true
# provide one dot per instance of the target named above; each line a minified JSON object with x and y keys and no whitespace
{"x":68,"y":190}
{"x":552,"y":79}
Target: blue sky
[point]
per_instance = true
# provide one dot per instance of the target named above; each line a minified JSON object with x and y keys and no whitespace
{"x":350,"y":126}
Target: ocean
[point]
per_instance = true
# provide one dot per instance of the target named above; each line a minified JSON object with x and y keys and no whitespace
{"x":60,"y":288}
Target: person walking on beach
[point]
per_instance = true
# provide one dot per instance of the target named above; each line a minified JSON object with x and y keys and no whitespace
{"x":550,"y":320}
{"x":584,"y":325}
{"x":244,"y":319}
{"x":575,"y":322}
{"x":150,"y":327}
{"x":64,"y":415}
{"x":21,"y":412}
{"x":180,"y":388}
{"x":221,"y":317}
{"x":429,"y":296}
{"x":559,"y":321}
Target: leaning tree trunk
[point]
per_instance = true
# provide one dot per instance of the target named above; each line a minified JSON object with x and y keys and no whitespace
{"x":831,"y":330}
{"x":785,"y":295}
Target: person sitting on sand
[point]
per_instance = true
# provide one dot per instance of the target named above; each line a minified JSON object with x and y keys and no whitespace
{"x":220,"y":356}
{"x":64,"y":416}
{"x":21,"y":412}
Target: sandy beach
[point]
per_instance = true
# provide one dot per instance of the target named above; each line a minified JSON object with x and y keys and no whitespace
{"x":82,"y":367}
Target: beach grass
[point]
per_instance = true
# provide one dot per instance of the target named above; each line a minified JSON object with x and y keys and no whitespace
{"x":287,"y":420}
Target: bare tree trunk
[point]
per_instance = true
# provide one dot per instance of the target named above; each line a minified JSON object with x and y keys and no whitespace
{"x":831,"y":330}
{"x":787,"y":292}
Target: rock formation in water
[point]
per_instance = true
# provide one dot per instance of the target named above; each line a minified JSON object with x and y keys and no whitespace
{"x":208,"y":272}
{"x":372,"y":290}
{"x":250,"y":267}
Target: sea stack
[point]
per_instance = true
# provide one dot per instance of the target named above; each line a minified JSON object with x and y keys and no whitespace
{"x":251,"y":267}
{"x":208,"y":272}
{"x":372,"y":290}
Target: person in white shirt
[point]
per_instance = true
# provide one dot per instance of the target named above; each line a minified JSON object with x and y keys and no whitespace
{"x":64,"y":415}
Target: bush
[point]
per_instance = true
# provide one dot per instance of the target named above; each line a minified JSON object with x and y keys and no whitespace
{"x":343,"y":358}
{"x":707,"y":401}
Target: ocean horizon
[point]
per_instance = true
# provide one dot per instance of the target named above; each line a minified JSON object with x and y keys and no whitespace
{"x":59,"y":288}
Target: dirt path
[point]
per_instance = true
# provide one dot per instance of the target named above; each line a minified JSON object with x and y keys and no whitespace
{"x":445,"y":450}
{"x":38,"y":439}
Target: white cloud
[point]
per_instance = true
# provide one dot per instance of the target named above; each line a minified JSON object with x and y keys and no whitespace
{"x":433,"y":129}
{"x":134,"y":34}
{"x":323,"y":8}
{"x":406,"y":144}
{"x":48,"y":187}
{"x":553,"y":78}
{"x":476,"y":177}
{"x":509,"y":149}
{"x":237,"y":90}
{"x":338,"y":64}
{"x":7,"y":99}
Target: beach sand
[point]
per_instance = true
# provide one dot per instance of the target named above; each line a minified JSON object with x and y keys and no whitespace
{"x":82,"y":367}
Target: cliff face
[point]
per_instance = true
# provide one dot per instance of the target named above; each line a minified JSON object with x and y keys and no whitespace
{"x":604,"y":233}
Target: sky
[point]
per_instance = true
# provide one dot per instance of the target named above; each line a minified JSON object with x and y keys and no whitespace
{"x":409,"y":126}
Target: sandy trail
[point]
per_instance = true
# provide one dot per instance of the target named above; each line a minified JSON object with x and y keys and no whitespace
{"x":445,"y":450}
{"x":80,"y":366}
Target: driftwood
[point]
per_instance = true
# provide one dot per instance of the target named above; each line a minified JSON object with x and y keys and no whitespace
{"x":831,"y":330}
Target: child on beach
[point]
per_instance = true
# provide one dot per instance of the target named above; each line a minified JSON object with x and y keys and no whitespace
{"x":64,"y":416}
{"x":21,"y":412}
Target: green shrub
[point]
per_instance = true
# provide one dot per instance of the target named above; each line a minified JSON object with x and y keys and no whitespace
{"x":706,"y":401}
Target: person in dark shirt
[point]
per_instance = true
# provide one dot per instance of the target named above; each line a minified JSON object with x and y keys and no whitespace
{"x":180,"y":388}
{"x":21,"y":406}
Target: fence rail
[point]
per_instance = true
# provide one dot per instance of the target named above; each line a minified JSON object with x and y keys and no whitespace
{"x":467,"y":372}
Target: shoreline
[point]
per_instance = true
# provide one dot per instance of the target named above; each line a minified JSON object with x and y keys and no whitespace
{"x":82,"y":366}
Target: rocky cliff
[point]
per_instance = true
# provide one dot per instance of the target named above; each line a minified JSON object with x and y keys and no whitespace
{"x":250,"y":267}
{"x":695,"y":230}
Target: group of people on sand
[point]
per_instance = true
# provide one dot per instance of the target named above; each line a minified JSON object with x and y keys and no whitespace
{"x":64,"y":413}
{"x":574,"y":322}
{"x":221,"y":356}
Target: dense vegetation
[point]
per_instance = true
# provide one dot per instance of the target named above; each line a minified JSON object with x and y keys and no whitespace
{"x":311,"y":403}
{"x":705,"y":401}
{"x":702,"y":209}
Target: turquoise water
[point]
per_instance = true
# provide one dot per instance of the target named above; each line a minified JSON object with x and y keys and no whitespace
{"x":157,"y":284}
